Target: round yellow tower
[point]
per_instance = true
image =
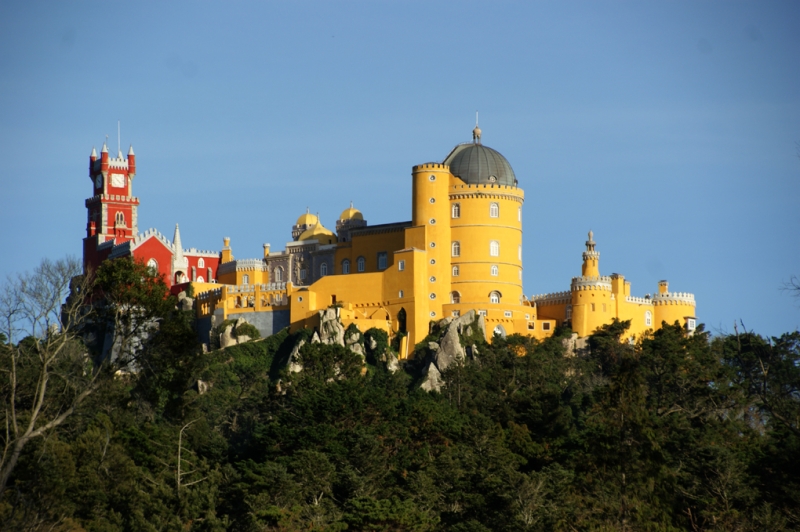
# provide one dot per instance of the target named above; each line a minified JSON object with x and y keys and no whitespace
{"x":485,"y":216}
{"x":593,"y":301}
{"x":430,"y":210}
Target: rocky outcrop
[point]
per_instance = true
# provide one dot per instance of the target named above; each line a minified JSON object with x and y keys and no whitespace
{"x":331,"y":330}
{"x":574,"y":346}
{"x":185,"y":302}
{"x":295,"y":366}
{"x":432,"y":379}
{"x":450,"y":349}
{"x":451,"y":334}
{"x":229,"y":336}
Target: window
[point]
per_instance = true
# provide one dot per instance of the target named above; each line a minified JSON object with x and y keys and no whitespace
{"x":201,"y":263}
{"x":456,"y":249}
{"x":432,"y":295}
{"x":494,"y":248}
{"x":482,"y":313}
{"x":278,"y":275}
{"x":507,"y":314}
{"x":531,"y":325}
{"x":210,"y":275}
{"x":495,"y":270}
{"x":194,"y":273}
{"x":546,"y":326}
{"x":200,"y":279}
{"x":346,"y":266}
{"x":455,"y":297}
{"x":648,"y":318}
{"x":361,"y":264}
{"x":432,"y":221}
{"x":494,"y":297}
{"x":153,"y":265}
{"x":691,"y":324}
{"x":401,"y":265}
{"x":382,"y":260}
{"x":569,"y":312}
{"x":245,"y":279}
{"x":494,"y":210}
{"x":400,"y":294}
{"x":604,"y":307}
{"x":432,"y":178}
{"x":432,"y":279}
{"x":432,"y":200}
{"x":519,"y":214}
{"x":120,"y":218}
{"x":455,"y":271}
{"x":592,"y":307}
{"x":519,"y":252}
{"x":456,"y":210}
{"x":456,"y":313}
{"x":323,"y":269}
{"x":303,"y":274}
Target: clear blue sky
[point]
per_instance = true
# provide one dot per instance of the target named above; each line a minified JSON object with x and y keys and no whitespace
{"x":668,"y":128}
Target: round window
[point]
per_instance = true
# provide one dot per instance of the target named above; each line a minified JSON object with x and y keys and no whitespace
{"x":433,"y":314}
{"x":432,"y":178}
{"x":433,"y":279}
{"x":432,"y":296}
{"x":433,"y":244}
{"x":492,"y":178}
{"x":433,"y":261}
{"x":433,"y":200}
{"x":433,"y":221}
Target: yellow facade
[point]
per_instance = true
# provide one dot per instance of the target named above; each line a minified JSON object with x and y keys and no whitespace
{"x":461,"y":251}
{"x":595,"y":300}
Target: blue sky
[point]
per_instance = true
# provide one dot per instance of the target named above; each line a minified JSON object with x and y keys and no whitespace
{"x":671,"y":129}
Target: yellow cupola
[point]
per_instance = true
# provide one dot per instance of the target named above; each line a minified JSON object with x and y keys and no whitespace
{"x":351,"y":213}
{"x":319,"y":233}
{"x":307,"y":219}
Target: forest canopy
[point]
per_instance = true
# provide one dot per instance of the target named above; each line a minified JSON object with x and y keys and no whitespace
{"x":678,"y":431}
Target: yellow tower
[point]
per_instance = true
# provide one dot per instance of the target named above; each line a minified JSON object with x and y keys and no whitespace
{"x":592,"y":296}
{"x":430,"y":209}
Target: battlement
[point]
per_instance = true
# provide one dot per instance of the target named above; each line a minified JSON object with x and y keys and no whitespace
{"x":674,"y":298}
{"x":112,"y":197}
{"x":602,"y":282}
{"x":242,"y":265}
{"x":430,"y":166}
{"x":553,"y":298}
{"x":118,"y":162}
{"x":638,"y":300}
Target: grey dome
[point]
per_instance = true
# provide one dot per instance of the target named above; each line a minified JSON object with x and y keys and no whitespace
{"x":478,"y":164}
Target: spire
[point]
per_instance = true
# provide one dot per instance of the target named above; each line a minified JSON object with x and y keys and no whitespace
{"x":176,"y":243}
{"x":476,"y":133}
{"x":94,"y":153}
{"x":590,"y":243}
{"x":591,"y":259}
{"x":130,"y":150}
{"x":105,"y":148}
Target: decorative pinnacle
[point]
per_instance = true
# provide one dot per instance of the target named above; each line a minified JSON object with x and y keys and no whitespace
{"x":130,"y":150}
{"x":94,"y":152}
{"x":105,"y":147}
{"x":590,"y":243}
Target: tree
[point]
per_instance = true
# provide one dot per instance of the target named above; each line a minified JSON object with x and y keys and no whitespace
{"x":48,"y":374}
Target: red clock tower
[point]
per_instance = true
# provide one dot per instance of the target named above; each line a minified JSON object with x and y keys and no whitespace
{"x":112,"y":216}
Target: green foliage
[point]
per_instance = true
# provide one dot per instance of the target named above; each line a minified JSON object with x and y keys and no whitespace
{"x":676,"y":432}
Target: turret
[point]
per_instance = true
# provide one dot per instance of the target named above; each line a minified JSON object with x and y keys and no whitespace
{"x":591,"y":259}
{"x":266,"y":250}
{"x":131,"y":162}
{"x":104,"y":159}
{"x":226,"y":255}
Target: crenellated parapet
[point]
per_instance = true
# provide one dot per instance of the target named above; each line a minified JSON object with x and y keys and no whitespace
{"x":242,"y":265}
{"x":674,"y":298}
{"x":639,"y":300}
{"x":554,"y":298}
{"x":430,"y":166}
{"x":591,"y":282}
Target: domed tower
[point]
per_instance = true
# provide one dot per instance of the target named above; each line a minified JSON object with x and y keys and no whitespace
{"x":304,"y":223}
{"x":593,"y":301}
{"x":351,"y":218}
{"x":319,"y":233}
{"x":485,"y":215}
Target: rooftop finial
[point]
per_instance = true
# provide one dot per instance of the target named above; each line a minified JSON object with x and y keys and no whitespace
{"x":476,"y":133}
{"x":351,"y":204}
{"x":590,"y":243}
{"x":119,"y":146}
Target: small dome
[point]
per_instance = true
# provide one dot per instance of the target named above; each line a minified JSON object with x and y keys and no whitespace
{"x":307,"y":219}
{"x":476,"y":164}
{"x":351,"y":213}
{"x":320,"y":233}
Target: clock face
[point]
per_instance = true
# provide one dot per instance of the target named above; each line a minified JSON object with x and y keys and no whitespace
{"x":99,"y":181}
{"x":117,"y":180}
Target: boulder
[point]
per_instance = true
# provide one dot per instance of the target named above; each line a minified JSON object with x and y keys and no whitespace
{"x":391,"y":362}
{"x":187,"y":303}
{"x":432,"y":381}
{"x":433,"y":347}
{"x":201,"y":386}
{"x":331,"y":330}
{"x":450,"y":348}
{"x":295,"y":366}
{"x":226,"y":338}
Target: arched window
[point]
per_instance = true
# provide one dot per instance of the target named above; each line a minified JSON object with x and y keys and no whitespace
{"x":519,"y":214}
{"x":323,"y":269}
{"x":494,"y":248}
{"x":346,"y":266}
{"x":455,"y":271}
{"x":519,"y":252}
{"x":648,"y":318}
{"x":120,"y":218}
{"x":361,"y":264}
{"x":495,"y":270}
{"x":456,"y":210}
{"x":456,"y":249}
{"x":494,"y":297}
{"x":200,"y":279}
{"x":153,"y":265}
{"x":494,"y":210}
{"x":278,"y":275}
{"x":201,"y":263}
{"x":455,"y":297}
{"x":245,"y":279}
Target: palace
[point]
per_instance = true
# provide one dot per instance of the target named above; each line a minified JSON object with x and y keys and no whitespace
{"x":461,"y":251}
